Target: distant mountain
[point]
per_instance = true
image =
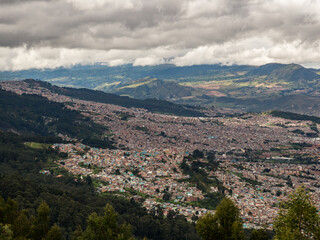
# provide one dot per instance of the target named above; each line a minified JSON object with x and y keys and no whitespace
{"x":103,"y":77}
{"x":265,"y":69}
{"x":288,"y":72}
{"x":302,"y":104}
{"x":244,"y":87}
{"x":154,"y":88}
{"x":152,"y":105}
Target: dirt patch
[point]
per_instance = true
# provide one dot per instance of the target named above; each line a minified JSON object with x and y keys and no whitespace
{"x":208,"y":86}
{"x":216,"y":94}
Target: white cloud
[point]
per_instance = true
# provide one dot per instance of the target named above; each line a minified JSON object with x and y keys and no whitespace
{"x":148,"y":61}
{"x":116,"y":62}
{"x":52,"y":33}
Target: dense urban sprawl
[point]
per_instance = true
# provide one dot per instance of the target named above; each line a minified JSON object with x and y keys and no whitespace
{"x":261,"y":158}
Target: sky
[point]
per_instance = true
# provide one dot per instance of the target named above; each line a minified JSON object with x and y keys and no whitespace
{"x":54,"y":33}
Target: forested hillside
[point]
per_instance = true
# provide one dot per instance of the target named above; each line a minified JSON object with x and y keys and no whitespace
{"x":32,"y":114}
{"x":153,"y":105}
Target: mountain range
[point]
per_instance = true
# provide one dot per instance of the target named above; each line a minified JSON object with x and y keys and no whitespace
{"x":289,"y":87}
{"x":152,"y":105}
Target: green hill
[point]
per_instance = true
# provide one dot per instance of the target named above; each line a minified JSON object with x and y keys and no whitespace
{"x":32,"y":114}
{"x":152,"y":105}
{"x":287,"y":72}
{"x":301,"y":104}
{"x":154,"y":88}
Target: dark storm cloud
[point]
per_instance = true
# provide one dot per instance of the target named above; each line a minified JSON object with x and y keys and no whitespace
{"x":188,"y":27}
{"x":59,"y":23}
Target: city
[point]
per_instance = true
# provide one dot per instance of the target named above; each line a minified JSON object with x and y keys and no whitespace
{"x":262,"y":158}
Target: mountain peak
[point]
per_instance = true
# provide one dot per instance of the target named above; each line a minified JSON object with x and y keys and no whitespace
{"x":288,"y":72}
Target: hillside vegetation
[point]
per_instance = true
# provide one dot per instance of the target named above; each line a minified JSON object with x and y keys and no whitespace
{"x":70,"y":199}
{"x":152,"y":105}
{"x":32,"y":114}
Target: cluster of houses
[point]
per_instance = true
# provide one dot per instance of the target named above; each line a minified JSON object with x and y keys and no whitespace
{"x":152,"y":147}
{"x":259,"y":187}
{"x":151,"y":173}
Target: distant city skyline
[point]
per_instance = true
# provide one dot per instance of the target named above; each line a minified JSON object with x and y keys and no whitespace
{"x":55,"y":33}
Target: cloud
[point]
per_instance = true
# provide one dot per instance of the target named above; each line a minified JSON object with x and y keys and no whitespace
{"x":64,"y":32}
{"x":20,"y":58}
{"x":145,"y":61}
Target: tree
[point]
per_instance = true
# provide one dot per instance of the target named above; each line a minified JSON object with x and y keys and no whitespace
{"x":225,"y":224}
{"x":15,"y":224}
{"x":259,"y":234}
{"x":171,"y":214}
{"x":297,"y":218}
{"x":9,"y":210}
{"x":106,"y":227}
{"x":228,"y":217}
{"x":197,"y":154}
{"x":211,"y":157}
{"x":88,"y":179}
{"x":5,"y":232}
{"x":237,"y":231}
{"x":54,"y":233}
{"x":166,"y":196}
{"x":21,"y":226}
{"x":41,"y":223}
{"x":207,"y":227}
{"x":201,"y":187}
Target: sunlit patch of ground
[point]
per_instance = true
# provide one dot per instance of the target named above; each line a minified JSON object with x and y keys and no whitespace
{"x":216,"y":94}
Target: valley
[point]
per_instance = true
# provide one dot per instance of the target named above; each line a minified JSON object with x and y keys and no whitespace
{"x":248,"y":88}
{"x":188,"y":163}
